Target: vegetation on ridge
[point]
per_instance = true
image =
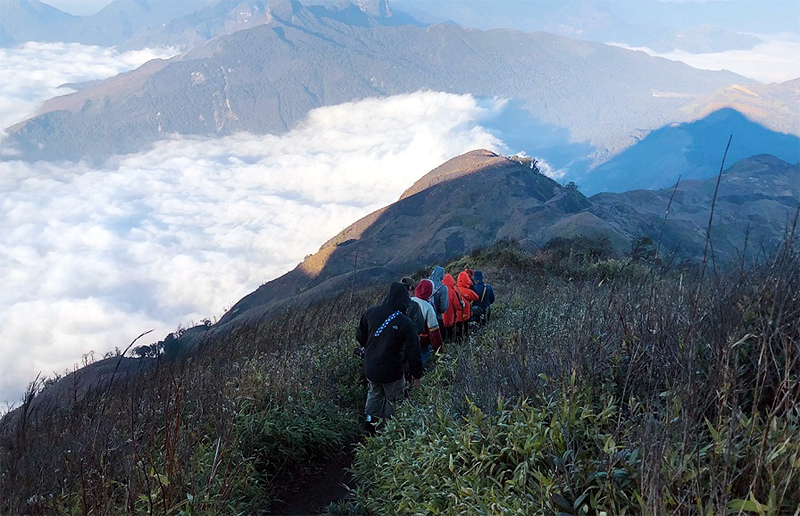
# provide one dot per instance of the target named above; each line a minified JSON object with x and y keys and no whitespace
{"x":603,"y":384}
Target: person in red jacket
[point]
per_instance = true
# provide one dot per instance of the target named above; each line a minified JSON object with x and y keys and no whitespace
{"x":454,"y":303}
{"x":464,"y":290}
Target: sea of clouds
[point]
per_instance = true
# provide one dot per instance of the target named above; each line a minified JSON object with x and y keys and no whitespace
{"x":777,"y":59}
{"x":92,"y":257}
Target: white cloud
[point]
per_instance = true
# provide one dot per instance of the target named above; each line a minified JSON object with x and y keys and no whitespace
{"x":94,"y":257}
{"x":34,"y":72}
{"x":775,"y":60}
{"x":549,"y":170}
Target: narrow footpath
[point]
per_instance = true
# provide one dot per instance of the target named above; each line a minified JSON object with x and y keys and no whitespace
{"x":315,"y":492}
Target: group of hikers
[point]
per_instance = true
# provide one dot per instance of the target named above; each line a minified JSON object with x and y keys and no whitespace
{"x":415,"y":320}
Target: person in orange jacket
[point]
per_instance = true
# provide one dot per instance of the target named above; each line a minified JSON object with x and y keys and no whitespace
{"x":464,"y":290}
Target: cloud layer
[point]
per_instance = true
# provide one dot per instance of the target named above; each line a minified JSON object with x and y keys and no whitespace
{"x":35,"y":72}
{"x":775,"y":60}
{"x":91,"y":258}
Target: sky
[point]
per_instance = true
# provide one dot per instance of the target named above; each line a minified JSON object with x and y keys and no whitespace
{"x":91,"y":258}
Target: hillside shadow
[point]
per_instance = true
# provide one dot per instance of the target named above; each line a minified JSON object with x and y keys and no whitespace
{"x":691,"y":150}
{"x":520,"y":130}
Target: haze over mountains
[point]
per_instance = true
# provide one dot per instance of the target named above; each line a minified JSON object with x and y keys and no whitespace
{"x":239,"y":147}
{"x":694,"y":27}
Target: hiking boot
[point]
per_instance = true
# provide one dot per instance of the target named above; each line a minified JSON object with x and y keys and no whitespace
{"x":370,"y":427}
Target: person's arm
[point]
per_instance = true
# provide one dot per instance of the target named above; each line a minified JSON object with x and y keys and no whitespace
{"x":444,"y":299}
{"x":412,"y":351}
{"x":490,"y":294}
{"x":469,"y":295}
{"x":362,"y":331}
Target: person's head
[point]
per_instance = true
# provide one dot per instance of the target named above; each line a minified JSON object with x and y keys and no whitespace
{"x":449,"y":280}
{"x":397,"y":298}
{"x":409,"y":283}
{"x":464,"y":281}
{"x":477,"y":276}
{"x":424,"y":290}
{"x":438,"y":274}
{"x":469,"y":274}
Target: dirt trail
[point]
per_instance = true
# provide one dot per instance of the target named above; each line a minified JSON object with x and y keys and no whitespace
{"x":315,"y":492}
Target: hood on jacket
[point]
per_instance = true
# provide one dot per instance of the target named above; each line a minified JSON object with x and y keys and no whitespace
{"x":449,"y":281}
{"x":437,"y":275}
{"x":397,"y":298}
{"x":424,"y":290}
{"x":477,"y":276}
{"x":464,"y":280}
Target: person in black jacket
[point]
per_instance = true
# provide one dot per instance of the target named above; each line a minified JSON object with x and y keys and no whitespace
{"x":391,"y":345}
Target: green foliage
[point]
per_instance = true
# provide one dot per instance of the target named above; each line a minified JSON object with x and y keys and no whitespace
{"x":280,"y":439}
{"x":279,"y":442}
{"x":557,"y":455}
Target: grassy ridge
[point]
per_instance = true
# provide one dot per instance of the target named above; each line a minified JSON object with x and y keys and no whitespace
{"x":603,"y":384}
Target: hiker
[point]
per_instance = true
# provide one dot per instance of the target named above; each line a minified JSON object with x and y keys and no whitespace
{"x":464,"y":290}
{"x":440,"y":297}
{"x":454,"y":304}
{"x":391,"y":341}
{"x":482,"y":308}
{"x":414,"y":312}
{"x":470,"y":272}
{"x":431,"y":338}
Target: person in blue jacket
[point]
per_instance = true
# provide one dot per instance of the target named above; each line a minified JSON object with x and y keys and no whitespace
{"x":482,"y":308}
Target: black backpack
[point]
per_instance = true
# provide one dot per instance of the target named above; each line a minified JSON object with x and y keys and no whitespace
{"x":479,"y":309}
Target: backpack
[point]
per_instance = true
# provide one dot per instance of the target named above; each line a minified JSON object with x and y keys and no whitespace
{"x":459,"y":309}
{"x":414,"y":312}
{"x":479,"y":309}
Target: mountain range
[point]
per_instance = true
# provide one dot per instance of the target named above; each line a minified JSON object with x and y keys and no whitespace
{"x":576,"y":103}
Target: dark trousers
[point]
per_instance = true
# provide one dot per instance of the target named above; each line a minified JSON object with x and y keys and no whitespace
{"x":462,"y":330}
{"x":448,"y":333}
